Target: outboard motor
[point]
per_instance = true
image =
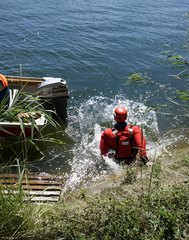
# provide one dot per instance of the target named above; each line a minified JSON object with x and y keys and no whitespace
{"x":54,"y":94}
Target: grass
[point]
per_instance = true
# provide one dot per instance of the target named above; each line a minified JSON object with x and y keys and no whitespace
{"x":138,"y":204}
{"x":25,"y":148}
{"x":149,"y":205}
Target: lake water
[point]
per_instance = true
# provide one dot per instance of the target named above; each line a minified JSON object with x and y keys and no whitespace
{"x":95,"y":45}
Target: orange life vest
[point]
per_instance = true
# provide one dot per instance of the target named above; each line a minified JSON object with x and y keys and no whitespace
{"x":4,"y":81}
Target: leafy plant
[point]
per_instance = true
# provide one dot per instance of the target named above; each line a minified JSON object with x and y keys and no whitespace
{"x":139,"y":78}
{"x":26,"y":109}
{"x":178,"y":61}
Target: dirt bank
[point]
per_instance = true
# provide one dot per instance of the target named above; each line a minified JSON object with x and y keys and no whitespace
{"x":171,"y":168}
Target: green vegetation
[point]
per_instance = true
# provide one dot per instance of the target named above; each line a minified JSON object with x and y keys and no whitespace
{"x":27,"y":108}
{"x":25,"y":103}
{"x":179,"y":62}
{"x":139,"y":203}
{"x":139,"y":78}
{"x":152,"y":204}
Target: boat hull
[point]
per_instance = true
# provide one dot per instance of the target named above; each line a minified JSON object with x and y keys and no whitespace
{"x":15,"y":130}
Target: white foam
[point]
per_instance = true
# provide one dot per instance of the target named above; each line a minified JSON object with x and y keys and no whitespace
{"x":86,"y":127}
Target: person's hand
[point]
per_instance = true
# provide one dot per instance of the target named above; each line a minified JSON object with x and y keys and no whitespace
{"x":146,"y":161}
{"x":111,"y":155}
{"x":149,"y":164}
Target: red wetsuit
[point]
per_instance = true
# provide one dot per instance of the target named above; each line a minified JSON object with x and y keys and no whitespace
{"x":126,"y":142}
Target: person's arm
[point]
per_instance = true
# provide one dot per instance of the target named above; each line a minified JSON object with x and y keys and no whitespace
{"x":140,"y":142}
{"x":103,"y":144}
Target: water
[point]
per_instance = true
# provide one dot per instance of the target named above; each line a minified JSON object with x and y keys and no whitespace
{"x":95,"y":45}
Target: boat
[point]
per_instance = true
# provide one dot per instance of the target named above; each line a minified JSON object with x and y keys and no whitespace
{"x":16,"y":129}
{"x":52,"y":92}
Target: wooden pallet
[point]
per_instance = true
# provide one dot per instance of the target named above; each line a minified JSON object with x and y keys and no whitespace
{"x":35,"y":187}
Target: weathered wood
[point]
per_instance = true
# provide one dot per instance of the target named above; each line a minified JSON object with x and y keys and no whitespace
{"x":44,"y":199}
{"x":36,"y":188}
{"x":30,"y":176}
{"x":36,"y":193}
{"x":29,"y":181}
{"x":33,"y":187}
{"x":20,"y":79}
{"x":26,"y":84}
{"x":25,"y":187}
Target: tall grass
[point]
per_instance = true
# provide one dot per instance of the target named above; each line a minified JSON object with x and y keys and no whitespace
{"x":18,"y":216}
{"x":148,"y":207}
{"x":151,"y":206}
{"x":25,"y":109}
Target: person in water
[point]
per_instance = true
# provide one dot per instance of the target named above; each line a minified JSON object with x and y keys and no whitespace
{"x":4,"y":92}
{"x":126,"y":140}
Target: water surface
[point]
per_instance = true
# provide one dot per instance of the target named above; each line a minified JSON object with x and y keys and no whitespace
{"x":95,"y":45}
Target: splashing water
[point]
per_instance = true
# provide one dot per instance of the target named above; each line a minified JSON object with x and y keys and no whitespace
{"x":86,"y":127}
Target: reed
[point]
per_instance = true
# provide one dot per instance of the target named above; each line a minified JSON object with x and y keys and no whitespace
{"x":26,"y":108}
{"x":152,"y":206}
{"x":18,"y":216}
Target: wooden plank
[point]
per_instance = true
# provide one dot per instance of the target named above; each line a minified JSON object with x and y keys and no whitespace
{"x":31,"y":187}
{"x":30,"y":176}
{"x":37,"y":177}
{"x":36,"y":188}
{"x":36,"y":193}
{"x":30,"y":182}
{"x":44,"y":193}
{"x":20,"y":79}
{"x":42,"y":196}
{"x":33,"y":179}
{"x":43,"y":199}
